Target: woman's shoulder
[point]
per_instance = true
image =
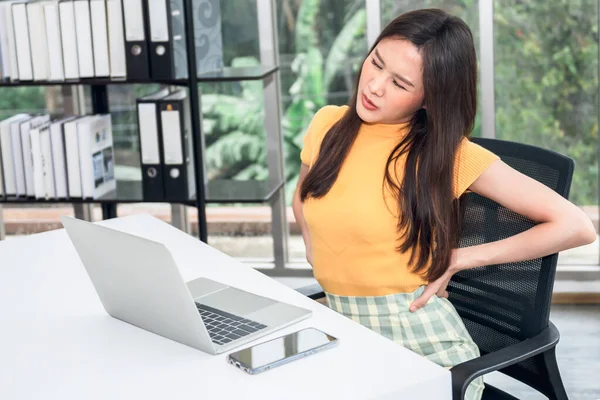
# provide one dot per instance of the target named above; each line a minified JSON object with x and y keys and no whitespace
{"x":469,"y":149}
{"x":321,"y":122}
{"x":324,"y":119}
{"x":330,"y":114}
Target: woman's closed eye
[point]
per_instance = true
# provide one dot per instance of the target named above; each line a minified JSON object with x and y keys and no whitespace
{"x":379,"y":67}
{"x":375,"y":63}
{"x":398,"y":85}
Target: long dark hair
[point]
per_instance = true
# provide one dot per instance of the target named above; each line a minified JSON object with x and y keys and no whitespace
{"x":429,"y":215}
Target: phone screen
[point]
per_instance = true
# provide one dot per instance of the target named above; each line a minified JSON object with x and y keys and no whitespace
{"x":282,"y":348}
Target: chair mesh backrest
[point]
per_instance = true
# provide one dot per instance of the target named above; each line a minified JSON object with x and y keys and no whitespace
{"x":504,"y":304}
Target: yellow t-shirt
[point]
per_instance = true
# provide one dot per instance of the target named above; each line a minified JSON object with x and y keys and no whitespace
{"x":353,"y":227}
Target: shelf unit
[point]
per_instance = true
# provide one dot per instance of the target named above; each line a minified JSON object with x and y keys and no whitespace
{"x":219,"y":191}
{"x":227,"y":74}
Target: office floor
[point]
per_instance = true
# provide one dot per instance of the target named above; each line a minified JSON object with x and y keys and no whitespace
{"x":578,"y":354}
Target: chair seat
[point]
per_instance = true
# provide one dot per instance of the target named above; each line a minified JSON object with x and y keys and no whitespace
{"x":493,"y":393}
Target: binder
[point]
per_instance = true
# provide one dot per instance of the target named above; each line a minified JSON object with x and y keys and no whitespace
{"x":43,"y":184}
{"x":38,"y":41}
{"x":55,"y":50}
{"x":68,"y":34}
{"x":10,"y":40}
{"x":178,"y":164}
{"x":100,"y":38}
{"x":150,"y":144}
{"x":96,"y":156}
{"x":26,"y":127}
{"x":27,"y":161}
{"x":5,"y":60}
{"x":168,"y":56}
{"x":22,"y":40}
{"x":83,"y":28}
{"x":6,"y":150}
{"x":16,"y":149}
{"x":18,"y":157}
{"x":116,"y":39}
{"x":47,"y":163}
{"x":59,"y":160}
{"x":72,"y":153}
{"x":136,"y":46}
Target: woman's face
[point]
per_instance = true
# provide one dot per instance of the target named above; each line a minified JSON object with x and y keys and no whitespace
{"x":390,"y":89}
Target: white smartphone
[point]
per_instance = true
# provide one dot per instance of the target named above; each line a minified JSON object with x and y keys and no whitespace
{"x":281,"y":350}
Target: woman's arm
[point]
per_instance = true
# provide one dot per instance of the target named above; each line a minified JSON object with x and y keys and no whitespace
{"x":299,"y":215}
{"x":562,"y":225}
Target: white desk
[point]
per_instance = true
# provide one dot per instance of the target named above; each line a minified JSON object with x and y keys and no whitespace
{"x":57,"y":342}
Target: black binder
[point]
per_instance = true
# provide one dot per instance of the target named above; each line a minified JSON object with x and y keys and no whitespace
{"x":137,"y":58}
{"x":149,"y":128}
{"x":178,"y":163}
{"x":168,"y":56}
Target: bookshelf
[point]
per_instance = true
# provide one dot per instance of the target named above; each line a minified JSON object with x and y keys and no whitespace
{"x":215,"y":191}
{"x":226,"y":74}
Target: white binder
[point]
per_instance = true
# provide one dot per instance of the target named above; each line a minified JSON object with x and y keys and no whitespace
{"x":55,"y":51}
{"x":17,"y":155}
{"x":116,"y":39}
{"x":100,"y":38}
{"x":6,"y":150}
{"x":39,"y":161}
{"x":96,"y":156}
{"x":38,"y":41}
{"x":7,"y":22}
{"x":23,"y":48}
{"x":59,"y":160}
{"x":47,"y":163}
{"x":83,"y":27}
{"x":4,"y":49}
{"x":72,"y":152}
{"x":26,"y":144}
{"x":68,"y":33}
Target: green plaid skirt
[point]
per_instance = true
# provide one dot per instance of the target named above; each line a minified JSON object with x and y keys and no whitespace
{"x":435,"y":331}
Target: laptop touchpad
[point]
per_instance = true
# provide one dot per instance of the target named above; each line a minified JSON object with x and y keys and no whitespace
{"x":235,"y":301}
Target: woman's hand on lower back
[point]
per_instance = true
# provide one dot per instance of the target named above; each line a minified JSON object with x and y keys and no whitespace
{"x":438,"y":287}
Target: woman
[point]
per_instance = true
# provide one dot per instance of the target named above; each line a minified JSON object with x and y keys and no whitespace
{"x":377,"y":197}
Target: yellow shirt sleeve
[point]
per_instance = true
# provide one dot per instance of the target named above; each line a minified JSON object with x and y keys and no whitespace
{"x":471,"y":161}
{"x":318,"y":127}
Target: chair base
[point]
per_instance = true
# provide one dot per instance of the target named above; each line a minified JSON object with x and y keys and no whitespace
{"x":493,"y":393}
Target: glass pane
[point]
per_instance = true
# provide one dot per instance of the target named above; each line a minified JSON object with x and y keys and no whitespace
{"x":235,"y":144}
{"x":233,"y":111}
{"x":321,"y":47}
{"x":546,"y":79}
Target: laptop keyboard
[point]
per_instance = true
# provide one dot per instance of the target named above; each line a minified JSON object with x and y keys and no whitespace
{"x":224,"y":327}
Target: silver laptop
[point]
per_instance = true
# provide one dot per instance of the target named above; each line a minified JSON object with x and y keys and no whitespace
{"x":138,"y":282}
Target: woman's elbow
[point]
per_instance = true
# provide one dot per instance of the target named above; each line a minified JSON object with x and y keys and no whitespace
{"x":586,"y":232}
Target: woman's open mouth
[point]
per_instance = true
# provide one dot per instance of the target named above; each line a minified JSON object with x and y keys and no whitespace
{"x":368,"y":104}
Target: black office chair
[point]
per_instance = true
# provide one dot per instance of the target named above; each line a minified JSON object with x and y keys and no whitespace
{"x":506,"y":307}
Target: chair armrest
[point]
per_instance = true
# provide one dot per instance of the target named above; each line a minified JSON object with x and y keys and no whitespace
{"x":312,"y":291}
{"x":463,"y":374}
